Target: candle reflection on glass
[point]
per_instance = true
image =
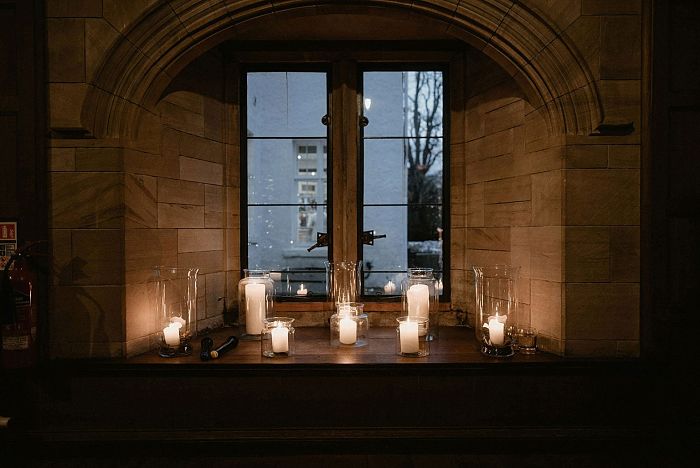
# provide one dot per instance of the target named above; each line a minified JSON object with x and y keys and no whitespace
{"x":390,"y":287}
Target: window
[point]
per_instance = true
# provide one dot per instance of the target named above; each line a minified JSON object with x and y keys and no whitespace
{"x":286,"y":196}
{"x":385,"y":148}
{"x":403,"y":147}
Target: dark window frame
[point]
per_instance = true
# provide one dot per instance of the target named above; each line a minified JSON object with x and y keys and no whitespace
{"x":402,"y":56}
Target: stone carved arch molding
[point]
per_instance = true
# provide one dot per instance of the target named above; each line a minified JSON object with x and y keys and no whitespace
{"x":171,"y":34}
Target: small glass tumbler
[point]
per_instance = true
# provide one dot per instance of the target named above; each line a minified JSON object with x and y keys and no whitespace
{"x":277,"y":337}
{"x":526,"y":340}
{"x":349,"y":326}
{"x":412,"y":336}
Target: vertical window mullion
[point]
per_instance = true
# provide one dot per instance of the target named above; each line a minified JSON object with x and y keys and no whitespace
{"x":345,"y":161}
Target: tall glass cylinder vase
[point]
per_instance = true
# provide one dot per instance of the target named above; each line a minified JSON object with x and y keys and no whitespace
{"x":343,"y":283}
{"x":420,"y":298}
{"x":496,"y":308}
{"x":256,"y":291}
{"x":175,"y":302}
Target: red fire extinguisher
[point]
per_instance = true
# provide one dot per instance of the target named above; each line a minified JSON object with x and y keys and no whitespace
{"x":19,"y":304}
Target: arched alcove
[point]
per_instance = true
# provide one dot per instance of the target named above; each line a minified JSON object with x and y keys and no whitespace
{"x":164,"y":39}
{"x":526,"y":90}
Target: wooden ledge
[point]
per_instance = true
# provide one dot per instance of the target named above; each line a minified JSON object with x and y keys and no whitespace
{"x":455,"y":346}
{"x":454,"y":353}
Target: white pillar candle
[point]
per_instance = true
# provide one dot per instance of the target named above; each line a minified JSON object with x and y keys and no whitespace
{"x":496,"y":327}
{"x":255,"y":308}
{"x":408,"y":336}
{"x":390,"y":287}
{"x":280,"y":339}
{"x":302,"y":291}
{"x":418,"y":297}
{"x":348,"y":330}
{"x":171,"y":334}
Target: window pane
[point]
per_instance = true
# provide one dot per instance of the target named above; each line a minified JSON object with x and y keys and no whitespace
{"x":394,"y":174}
{"x":387,"y":253}
{"x":276,"y":166}
{"x":384,"y":283}
{"x":400,"y":103}
{"x":386,"y":103}
{"x":288,"y":282}
{"x":286,"y":104}
{"x":424,"y":224}
{"x":277,"y":239}
{"x":385,"y":172}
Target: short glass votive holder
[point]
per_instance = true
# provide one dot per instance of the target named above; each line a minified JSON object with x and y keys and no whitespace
{"x":526,"y":340}
{"x":277,"y":337}
{"x":349,"y":326}
{"x":412,"y":338}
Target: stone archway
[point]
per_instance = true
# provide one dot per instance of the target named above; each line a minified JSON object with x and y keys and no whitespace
{"x":165,"y":38}
{"x":120,"y":109}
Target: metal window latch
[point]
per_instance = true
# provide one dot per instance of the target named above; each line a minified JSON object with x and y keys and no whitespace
{"x":368,"y":237}
{"x":321,"y":241}
{"x":325,"y":120}
{"x":364,"y":121}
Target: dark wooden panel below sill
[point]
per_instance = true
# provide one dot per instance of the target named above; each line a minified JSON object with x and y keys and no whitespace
{"x":328,"y":400}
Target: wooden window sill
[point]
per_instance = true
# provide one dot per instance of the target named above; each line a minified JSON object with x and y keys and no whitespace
{"x":456,"y":346}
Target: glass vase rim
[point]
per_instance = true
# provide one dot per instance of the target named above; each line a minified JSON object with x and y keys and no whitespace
{"x":419,"y":270}
{"x":272,"y":320}
{"x":247,"y":272}
{"x":352,"y":315}
{"x":496,"y":268}
{"x":172,"y":269}
{"x":356,"y":304}
{"x":412,"y":318}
